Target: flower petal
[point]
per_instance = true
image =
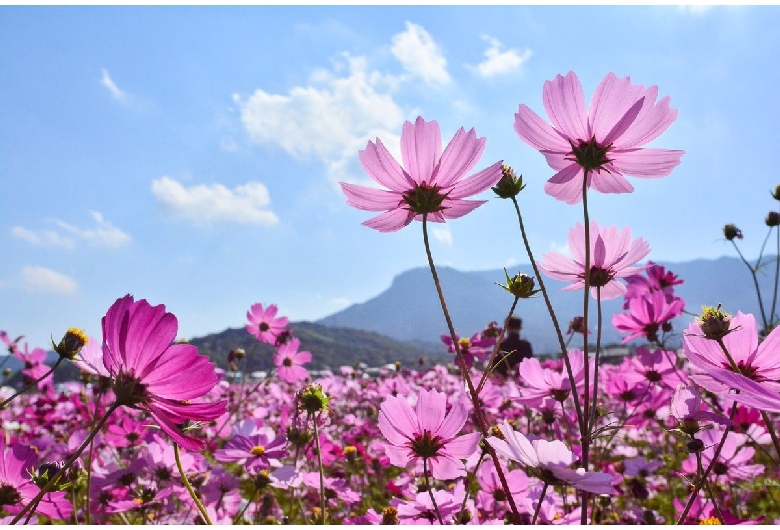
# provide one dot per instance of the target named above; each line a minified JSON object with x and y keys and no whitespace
{"x":371,"y":199}
{"x":421,"y":149}
{"x":564,"y":102}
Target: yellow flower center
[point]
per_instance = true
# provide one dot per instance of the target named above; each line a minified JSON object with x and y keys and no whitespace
{"x":464,"y":343}
{"x":257,"y":450}
{"x":709,"y":520}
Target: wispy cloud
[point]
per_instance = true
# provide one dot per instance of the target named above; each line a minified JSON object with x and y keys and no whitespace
{"x":43,"y":280}
{"x":102,"y":234}
{"x":117,"y":93}
{"x":695,"y":9}
{"x":46,"y":238}
{"x":330,"y":119}
{"x":246,"y":204}
{"x":443,"y":234}
{"x":417,"y":52}
{"x":499,"y":62}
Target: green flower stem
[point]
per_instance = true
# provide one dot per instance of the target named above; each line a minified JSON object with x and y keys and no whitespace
{"x":187,"y":485}
{"x":539,"y":506}
{"x":430,"y":491}
{"x":777,"y":278}
{"x":53,"y":480}
{"x":240,"y":514}
{"x":592,"y":420}
{"x":488,"y":371}
{"x":755,"y":283}
{"x":468,"y":486}
{"x":321,"y":470}
{"x":564,"y":348}
{"x":584,"y":435}
{"x":32,"y":384}
{"x":707,"y":487}
{"x":700,"y":482}
{"x":481,"y":423}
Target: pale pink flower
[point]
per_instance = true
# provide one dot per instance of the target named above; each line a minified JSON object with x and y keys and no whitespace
{"x":755,"y":361}
{"x":549,"y":461}
{"x":430,"y":182}
{"x":612,"y":254}
{"x":605,"y":140}
{"x":289,"y":362}
{"x":264,"y":325}
{"x":427,"y":432}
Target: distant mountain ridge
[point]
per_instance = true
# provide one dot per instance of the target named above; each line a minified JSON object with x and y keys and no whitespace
{"x":409,"y":309}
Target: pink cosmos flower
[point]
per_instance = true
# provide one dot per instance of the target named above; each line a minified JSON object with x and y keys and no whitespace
{"x":5,"y":338}
{"x":154,"y":375}
{"x":655,"y":278}
{"x":425,"y":432}
{"x":689,"y":409}
{"x":17,"y":488}
{"x":647,"y":315}
{"x":90,"y":359}
{"x":612,"y":256}
{"x":264,"y":324}
{"x":605,"y":140}
{"x":755,"y":361}
{"x":478,"y":346}
{"x":35,"y":365}
{"x":541,"y":382}
{"x":430,"y":182}
{"x":549,"y":461}
{"x":258,"y":451}
{"x":289,"y":362}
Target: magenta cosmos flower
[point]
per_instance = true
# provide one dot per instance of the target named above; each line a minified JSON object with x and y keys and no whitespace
{"x":426,"y":432}
{"x":647,"y":315}
{"x":258,"y":451}
{"x":150,"y":373}
{"x":17,"y":488}
{"x":605,"y":140}
{"x":430,"y":182}
{"x":755,"y":361}
{"x":289,"y":362}
{"x":612,"y":256}
{"x":264,"y":325}
{"x":549,"y":461}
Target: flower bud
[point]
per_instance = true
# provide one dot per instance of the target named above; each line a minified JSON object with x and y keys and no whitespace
{"x":509,"y":185}
{"x":772,"y":219}
{"x":576,"y":325}
{"x":71,"y":343}
{"x":312,"y":399}
{"x":731,"y":231}
{"x":776,"y":193}
{"x":521,"y":285}
{"x":695,"y":446}
{"x":714,"y":322}
{"x":390,"y":515}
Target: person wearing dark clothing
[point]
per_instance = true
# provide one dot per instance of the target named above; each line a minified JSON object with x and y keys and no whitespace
{"x":512,"y":350}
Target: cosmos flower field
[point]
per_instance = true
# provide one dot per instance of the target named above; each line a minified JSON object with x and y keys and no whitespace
{"x":682,"y":431}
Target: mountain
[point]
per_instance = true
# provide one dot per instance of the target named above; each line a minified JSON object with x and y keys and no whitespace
{"x":410,"y":310}
{"x":331,"y":347}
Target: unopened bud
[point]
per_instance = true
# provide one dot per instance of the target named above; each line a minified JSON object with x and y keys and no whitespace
{"x":509,"y":185}
{"x":576,"y":325}
{"x":776,"y":193}
{"x":71,"y":343}
{"x":731,"y":231}
{"x":773,"y":219}
{"x":521,"y":285}
{"x":312,"y":399}
{"x":714,"y":322}
{"x":695,"y":446}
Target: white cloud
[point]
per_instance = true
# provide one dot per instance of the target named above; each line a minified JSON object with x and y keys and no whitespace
{"x":43,"y":280}
{"x":420,"y":55}
{"x":696,"y":10}
{"x":48,"y":238}
{"x":117,"y":93}
{"x":246,"y":204}
{"x":331,"y":119}
{"x":103,"y":234}
{"x":500,"y":62}
{"x":443,"y":234}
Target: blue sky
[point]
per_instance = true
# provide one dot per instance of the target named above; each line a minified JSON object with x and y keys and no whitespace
{"x":191,"y":155}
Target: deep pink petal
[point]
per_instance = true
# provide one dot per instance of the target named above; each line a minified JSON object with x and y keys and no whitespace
{"x":537,"y":133}
{"x":459,"y":157}
{"x":390,"y":221}
{"x":383,"y":168}
{"x":564,"y":102}
{"x":566,"y":185}
{"x":478,"y":182}
{"x":646,"y":163}
{"x":371,"y":199}
{"x":421,"y":148}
